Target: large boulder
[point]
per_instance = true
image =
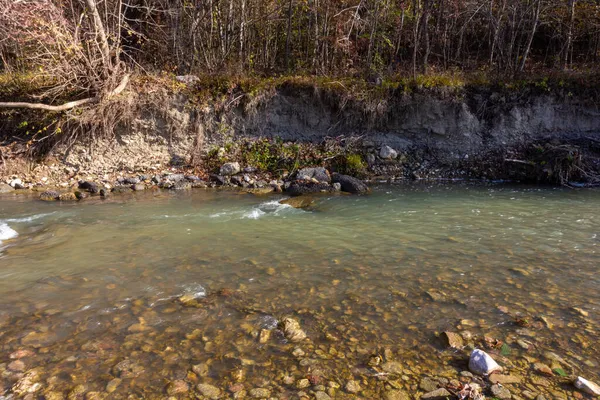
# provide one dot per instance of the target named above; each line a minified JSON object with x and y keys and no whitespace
{"x":16,"y":183}
{"x":89,"y":186}
{"x":299,"y":188}
{"x":318,"y":173}
{"x":481,"y":363}
{"x":230,"y":168}
{"x":4,"y":188}
{"x":350,"y":184}
{"x":387,"y":153}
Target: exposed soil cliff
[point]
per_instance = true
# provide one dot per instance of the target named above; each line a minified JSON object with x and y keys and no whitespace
{"x":478,"y":133}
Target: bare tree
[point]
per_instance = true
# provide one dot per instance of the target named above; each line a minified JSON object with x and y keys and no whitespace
{"x":71,"y":47}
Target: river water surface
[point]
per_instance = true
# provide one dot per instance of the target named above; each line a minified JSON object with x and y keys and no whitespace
{"x":181,"y":294}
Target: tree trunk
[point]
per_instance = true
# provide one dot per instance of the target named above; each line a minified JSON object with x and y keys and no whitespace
{"x":288,"y":36}
{"x":536,"y":19}
{"x":569,"y":33}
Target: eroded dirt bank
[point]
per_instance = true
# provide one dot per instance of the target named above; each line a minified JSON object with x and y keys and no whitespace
{"x":533,"y":135}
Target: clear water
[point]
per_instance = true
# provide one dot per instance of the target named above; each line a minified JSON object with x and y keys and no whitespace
{"x":85,"y":286}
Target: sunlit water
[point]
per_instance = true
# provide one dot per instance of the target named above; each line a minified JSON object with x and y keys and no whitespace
{"x":85,"y":286}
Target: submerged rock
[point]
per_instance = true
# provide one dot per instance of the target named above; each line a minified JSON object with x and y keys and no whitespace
{"x":49,"y":195}
{"x":260,"y":393}
{"x":291,"y":330}
{"x":586,"y":386}
{"x":437,"y":394}
{"x":306,"y":187}
{"x":481,"y":363}
{"x":453,"y":340}
{"x":299,"y":201}
{"x":121,"y":189}
{"x":350,"y":184}
{"x":500,"y":392}
{"x":68,"y":197}
{"x":210,"y":391}
{"x":352,"y":387}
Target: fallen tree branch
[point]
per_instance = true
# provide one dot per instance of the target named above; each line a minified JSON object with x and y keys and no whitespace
{"x":512,"y":160}
{"x":69,"y":105}
{"x":47,"y":107}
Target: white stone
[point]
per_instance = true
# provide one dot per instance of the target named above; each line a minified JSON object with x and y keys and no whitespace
{"x":387,"y":153}
{"x":16,"y":182}
{"x":587,"y":386}
{"x":481,"y":363}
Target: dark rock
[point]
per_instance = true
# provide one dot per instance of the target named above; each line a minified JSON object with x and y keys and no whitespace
{"x":103,"y":192}
{"x":249,"y":170}
{"x":192,"y":178}
{"x":318,"y":173}
{"x":89,"y":186}
{"x":181,"y":186}
{"x":19,"y":186}
{"x":219,"y":179}
{"x":177,"y":160}
{"x":80,"y":195}
{"x":131,"y":181}
{"x":199,"y":185}
{"x":121,"y":189}
{"x":237,"y":180}
{"x":305,"y":187}
{"x":350,"y":184}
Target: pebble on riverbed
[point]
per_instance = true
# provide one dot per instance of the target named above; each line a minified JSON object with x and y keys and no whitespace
{"x":291,"y":330}
{"x":587,"y":386}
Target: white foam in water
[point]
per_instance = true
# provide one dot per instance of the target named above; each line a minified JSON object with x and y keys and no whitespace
{"x":6,"y":232}
{"x":254,"y":214}
{"x":28,"y":219}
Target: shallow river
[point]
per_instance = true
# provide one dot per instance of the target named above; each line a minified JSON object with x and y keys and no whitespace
{"x":181,"y":293}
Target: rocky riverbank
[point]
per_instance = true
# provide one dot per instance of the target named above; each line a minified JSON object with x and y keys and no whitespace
{"x":306,"y":181}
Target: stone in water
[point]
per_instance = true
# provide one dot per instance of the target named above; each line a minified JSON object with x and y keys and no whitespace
{"x":482,"y":364}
